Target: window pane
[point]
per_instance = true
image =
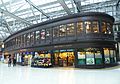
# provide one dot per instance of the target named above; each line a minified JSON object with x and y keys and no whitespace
{"x":104,"y":28}
{"x":88,"y":27}
{"x":37,"y":36}
{"x":106,"y":54}
{"x":28,"y":38}
{"x":81,"y":57}
{"x":32,"y":37}
{"x":98,"y":56}
{"x":62,"y":30}
{"x":90,"y":56}
{"x":48,"y":33}
{"x":24,"y":39}
{"x":112,"y":60}
{"x":95,"y":27}
{"x":56,"y":32}
{"x":109,"y":28}
{"x":79,"y":27}
{"x":70,"y":29}
{"x":42,"y":34}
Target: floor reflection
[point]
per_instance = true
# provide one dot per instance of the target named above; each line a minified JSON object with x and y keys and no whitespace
{"x":60,"y":75}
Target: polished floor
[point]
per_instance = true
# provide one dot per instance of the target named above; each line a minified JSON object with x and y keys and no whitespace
{"x":28,"y":75}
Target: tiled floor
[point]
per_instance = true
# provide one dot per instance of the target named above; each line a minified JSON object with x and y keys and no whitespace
{"x":28,"y":75}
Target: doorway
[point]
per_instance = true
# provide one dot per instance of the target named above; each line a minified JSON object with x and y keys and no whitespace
{"x":64,"y":59}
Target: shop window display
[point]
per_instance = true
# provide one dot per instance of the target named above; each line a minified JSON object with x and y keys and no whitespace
{"x":90,"y":56}
{"x":41,"y":59}
{"x":98,"y":56}
{"x":81,"y":57}
{"x":112,"y":59}
{"x":107,"y":55}
{"x":64,"y":57}
{"x":115,"y":56}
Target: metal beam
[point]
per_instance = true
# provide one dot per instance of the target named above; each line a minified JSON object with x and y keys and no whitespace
{"x":33,"y":13}
{"x":14,"y":16}
{"x":78,"y":4}
{"x":117,"y":3}
{"x":19,"y":8}
{"x":3,"y":5}
{"x":63,"y":4}
{"x":37,"y":8}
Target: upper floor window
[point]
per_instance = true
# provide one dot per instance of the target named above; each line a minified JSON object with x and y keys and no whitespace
{"x":32,"y":36}
{"x":88,"y":27}
{"x":109,"y":28}
{"x":48,"y":33}
{"x":62,"y":30}
{"x":79,"y":27}
{"x":56,"y":32}
{"x":95,"y":26}
{"x":28,"y":38}
{"x":104,"y":28}
{"x":70,"y":29}
{"x":37,"y":35}
{"x":42,"y":34}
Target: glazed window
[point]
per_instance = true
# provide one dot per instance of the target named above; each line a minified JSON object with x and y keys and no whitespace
{"x":107,"y":55}
{"x":62,"y":30}
{"x":32,"y":37}
{"x":70,"y":29}
{"x":98,"y":56}
{"x":81,"y":57}
{"x":16,"y":41}
{"x":95,"y":26}
{"x":115,"y":55}
{"x":28,"y":38}
{"x":104,"y":28}
{"x":22,"y":39}
{"x":13,"y":42}
{"x":109,"y":28}
{"x":37,"y":35}
{"x":42,"y":34}
{"x":19,"y":40}
{"x":90,"y":56}
{"x":48,"y":33}
{"x":112,"y":56}
{"x":88,"y":27}
{"x":24,"y":36}
{"x":79,"y":27}
{"x":56,"y":32}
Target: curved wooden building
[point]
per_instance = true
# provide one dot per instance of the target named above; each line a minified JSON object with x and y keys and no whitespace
{"x":80,"y":40}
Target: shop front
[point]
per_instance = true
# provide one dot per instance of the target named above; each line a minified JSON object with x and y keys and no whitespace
{"x":41,"y":59}
{"x":64,"y":58}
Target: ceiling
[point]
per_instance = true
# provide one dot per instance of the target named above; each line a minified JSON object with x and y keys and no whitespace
{"x":18,"y":14}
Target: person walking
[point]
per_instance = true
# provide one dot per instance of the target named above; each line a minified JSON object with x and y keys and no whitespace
{"x":14,"y":61}
{"x":9,"y":61}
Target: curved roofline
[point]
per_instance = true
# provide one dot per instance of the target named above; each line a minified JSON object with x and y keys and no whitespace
{"x":63,"y":18}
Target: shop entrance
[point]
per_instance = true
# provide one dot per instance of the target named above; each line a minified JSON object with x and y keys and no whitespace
{"x":64,"y":58}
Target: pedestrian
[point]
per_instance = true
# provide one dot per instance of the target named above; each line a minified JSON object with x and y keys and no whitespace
{"x":9,"y":61}
{"x":14,"y":61}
